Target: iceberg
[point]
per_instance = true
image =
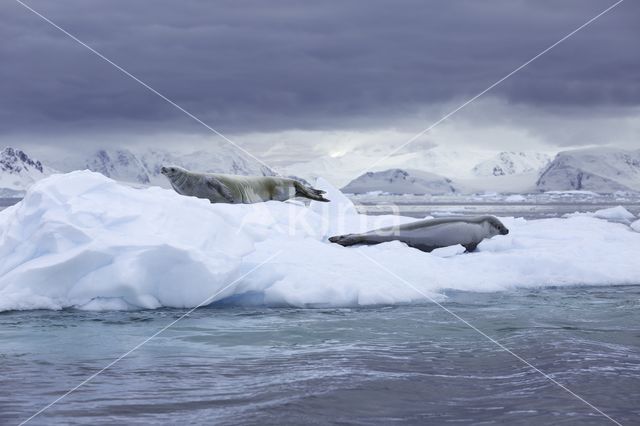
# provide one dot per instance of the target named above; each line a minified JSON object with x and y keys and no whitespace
{"x":618,"y":213}
{"x":81,"y":240}
{"x":612,"y":214}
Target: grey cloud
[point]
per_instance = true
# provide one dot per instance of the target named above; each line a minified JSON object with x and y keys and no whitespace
{"x":266,"y":66}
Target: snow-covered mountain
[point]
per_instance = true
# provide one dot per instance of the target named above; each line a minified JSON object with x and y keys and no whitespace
{"x":119,"y":164}
{"x":18,"y":171}
{"x":453,"y":163}
{"x":594,"y":169}
{"x":598,"y":169}
{"x":144,"y":166}
{"x":398,"y":181}
{"x":512,"y":163}
{"x":343,"y":169}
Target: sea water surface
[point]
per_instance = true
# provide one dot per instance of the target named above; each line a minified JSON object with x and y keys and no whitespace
{"x":528,"y":206}
{"x":414,"y":364}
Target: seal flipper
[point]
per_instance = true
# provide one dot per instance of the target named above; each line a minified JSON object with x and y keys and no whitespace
{"x":221,"y":188}
{"x":347,"y":240}
{"x":470,"y":247}
{"x":309,"y":192}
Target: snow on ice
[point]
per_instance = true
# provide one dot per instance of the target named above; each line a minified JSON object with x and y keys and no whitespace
{"x":83,"y":240}
{"x":613,"y":214}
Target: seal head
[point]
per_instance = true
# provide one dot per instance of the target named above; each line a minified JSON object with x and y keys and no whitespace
{"x":495,"y":226}
{"x":167,"y":170}
{"x":172,"y":172}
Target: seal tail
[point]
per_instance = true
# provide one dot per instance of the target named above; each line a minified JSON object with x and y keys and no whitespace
{"x":309,"y":192}
{"x":346,"y":240}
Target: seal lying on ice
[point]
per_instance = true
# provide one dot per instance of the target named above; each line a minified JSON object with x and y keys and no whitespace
{"x":236,"y":189}
{"x":430,"y":234}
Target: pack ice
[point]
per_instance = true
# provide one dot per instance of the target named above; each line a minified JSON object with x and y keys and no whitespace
{"x":81,"y":240}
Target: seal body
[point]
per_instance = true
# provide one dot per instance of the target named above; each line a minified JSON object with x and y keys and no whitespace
{"x":236,"y":189}
{"x":430,"y":234}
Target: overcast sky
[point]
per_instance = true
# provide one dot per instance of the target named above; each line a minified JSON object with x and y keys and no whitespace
{"x":288,"y":77}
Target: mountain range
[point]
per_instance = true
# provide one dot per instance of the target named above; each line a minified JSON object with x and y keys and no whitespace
{"x":18,"y":170}
{"x":603,"y":170}
{"x":454,"y":163}
{"x":596,"y":169}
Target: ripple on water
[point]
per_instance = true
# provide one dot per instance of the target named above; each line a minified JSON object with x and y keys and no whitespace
{"x":412,"y":363}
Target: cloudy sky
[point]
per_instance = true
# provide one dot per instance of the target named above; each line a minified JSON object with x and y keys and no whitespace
{"x":297,"y":79}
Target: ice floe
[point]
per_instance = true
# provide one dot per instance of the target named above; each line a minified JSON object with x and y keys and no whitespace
{"x":85,"y":241}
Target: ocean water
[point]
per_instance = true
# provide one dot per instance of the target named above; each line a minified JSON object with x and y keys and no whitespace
{"x":528,"y":206}
{"x":410,"y":364}
{"x":380,"y":365}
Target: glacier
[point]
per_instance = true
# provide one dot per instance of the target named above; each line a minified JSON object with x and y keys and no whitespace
{"x":81,"y":240}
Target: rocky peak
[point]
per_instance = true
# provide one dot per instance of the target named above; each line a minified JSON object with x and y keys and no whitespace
{"x":15,"y":161}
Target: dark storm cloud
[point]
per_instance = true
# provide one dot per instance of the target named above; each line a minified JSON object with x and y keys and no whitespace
{"x":275,"y":65}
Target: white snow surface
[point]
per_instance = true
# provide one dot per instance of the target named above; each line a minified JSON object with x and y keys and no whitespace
{"x":613,"y":214}
{"x":83,"y":240}
{"x":618,"y":213}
